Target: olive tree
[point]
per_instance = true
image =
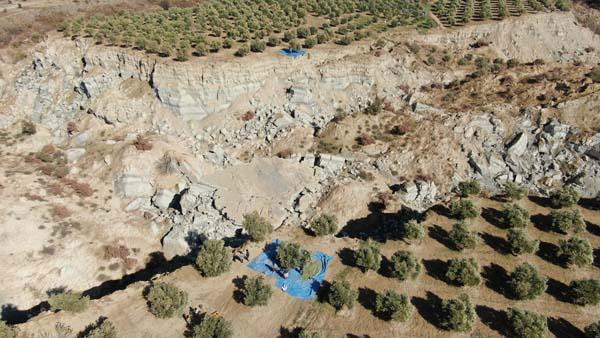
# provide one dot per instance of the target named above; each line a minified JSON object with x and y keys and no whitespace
{"x":576,"y":251}
{"x":461,"y":238}
{"x":463,"y":272}
{"x":256,"y":291}
{"x":515,"y":216}
{"x":68,"y":301}
{"x":592,"y":330}
{"x":393,"y":306}
{"x":291,"y":256}
{"x":564,"y":198}
{"x":468,"y":188}
{"x":368,"y":256}
{"x":520,"y":243}
{"x":457,"y":314}
{"x":165,"y":300}
{"x":213,"y":258}
{"x":405,"y":265}
{"x":525,"y":324}
{"x":102,"y":328}
{"x":585,"y":291}
{"x":526,"y":282}
{"x":413,"y":231}
{"x":257,"y":226}
{"x":462,"y":209}
{"x":514,"y":191}
{"x":213,"y":327}
{"x":567,"y":220}
{"x":342,"y":294}
{"x":323,"y":225}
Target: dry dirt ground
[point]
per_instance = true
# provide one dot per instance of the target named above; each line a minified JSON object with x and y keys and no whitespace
{"x":128,"y":311}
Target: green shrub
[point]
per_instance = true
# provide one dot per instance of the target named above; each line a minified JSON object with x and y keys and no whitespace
{"x":28,"y":128}
{"x":258,"y":46}
{"x":201,"y":49}
{"x":345,"y":40}
{"x":242,"y":51}
{"x":468,"y":188}
{"x":68,"y":301}
{"x":393,"y":306}
{"x":273,"y":41}
{"x":291,"y":256}
{"x":520,"y":243}
{"x":341,"y":294}
{"x":227,"y":43}
{"x":213,"y":259}
{"x":463,"y":209}
{"x":7,"y":331}
{"x":526,"y":282}
{"x":525,"y":324}
{"x":310,"y":43}
{"x":463,"y":272}
{"x":302,"y":32}
{"x":515,"y":216}
{"x":288,"y":36}
{"x":576,"y":251}
{"x":323,"y":225}
{"x":165,"y":300}
{"x":461,"y":238}
{"x":103,"y":328}
{"x":213,"y":327}
{"x":457,"y":314}
{"x":592,"y":330}
{"x":256,"y":291}
{"x":585,"y":291}
{"x":413,"y":231}
{"x":295,"y":45}
{"x":368,"y":256}
{"x":258,"y":227}
{"x":567,"y":220}
{"x":513,"y":191}
{"x":564,"y":198}
{"x":405,"y":265}
{"x":311,"y":268}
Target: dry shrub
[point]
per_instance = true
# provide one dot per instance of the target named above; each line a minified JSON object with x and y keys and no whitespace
{"x":385,"y":198}
{"x":285,"y":153}
{"x":59,"y":212}
{"x":130,"y":263}
{"x":142,"y":143}
{"x":114,"y":251}
{"x":55,"y":189}
{"x":249,"y":115}
{"x":81,"y":189}
{"x":34,"y":197}
{"x":365,"y":140}
{"x":167,"y":165}
{"x":72,"y":128}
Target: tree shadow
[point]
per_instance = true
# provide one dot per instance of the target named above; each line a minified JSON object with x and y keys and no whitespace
{"x":385,"y":268}
{"x":436,"y":268}
{"x":541,"y":201}
{"x":12,"y":315}
{"x":285,"y":332}
{"x":597,"y":257}
{"x":542,"y":222}
{"x":238,"y":293}
{"x":497,"y":243}
{"x":323,"y":292}
{"x":563,"y":328}
{"x":496,"y":320}
{"x":429,"y":308}
{"x":494,"y":217}
{"x":559,"y":290}
{"x":346,"y":256}
{"x":366,"y":298}
{"x":592,"y":228}
{"x":88,"y":329}
{"x":441,"y":210}
{"x":549,"y":252}
{"x":589,"y":203}
{"x":441,"y":235}
{"x":496,"y":278}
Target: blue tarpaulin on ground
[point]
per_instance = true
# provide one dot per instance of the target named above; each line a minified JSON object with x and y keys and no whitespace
{"x":295,"y":285}
{"x":292,"y":52}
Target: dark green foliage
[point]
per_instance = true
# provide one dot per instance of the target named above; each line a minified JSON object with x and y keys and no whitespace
{"x":227,"y":43}
{"x":102,"y":328}
{"x":393,"y":306}
{"x":576,"y":251}
{"x":515,"y":216}
{"x":405,"y":265}
{"x":592,"y":330}
{"x":323,"y":225}
{"x":468,"y":188}
{"x":7,"y":331}
{"x":586,"y":291}
{"x":463,"y":272}
{"x":213,"y":259}
{"x":514,"y":191}
{"x":273,"y":41}
{"x":457,"y":314}
{"x":68,"y":301}
{"x":413,"y":231}
{"x":165,"y":300}
{"x":564,"y":198}
{"x":258,"y":46}
{"x":526,"y":282}
{"x":291,"y":256}
{"x":258,"y":227}
{"x":302,"y":32}
{"x":341,"y":294}
{"x":256,"y":291}
{"x":566,"y":220}
{"x":463,"y":209}
{"x":461,"y":238}
{"x":213,"y":327}
{"x":520,"y":243}
{"x":310,"y":43}
{"x":525,"y":324}
{"x":368,"y":255}
{"x":242,"y":51}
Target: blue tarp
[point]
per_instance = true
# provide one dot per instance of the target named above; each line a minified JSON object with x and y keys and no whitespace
{"x":296,"y":285}
{"x":292,"y":52}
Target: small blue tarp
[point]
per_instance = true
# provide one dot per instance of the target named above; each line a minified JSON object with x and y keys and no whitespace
{"x":296,"y":285}
{"x":292,"y":52}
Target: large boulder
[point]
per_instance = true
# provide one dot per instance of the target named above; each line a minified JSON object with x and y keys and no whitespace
{"x":133,"y":186}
